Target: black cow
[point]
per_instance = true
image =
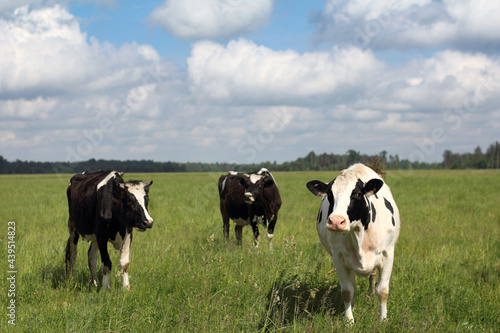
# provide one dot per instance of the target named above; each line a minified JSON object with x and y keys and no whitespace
{"x":102,"y":208}
{"x":249,"y":198}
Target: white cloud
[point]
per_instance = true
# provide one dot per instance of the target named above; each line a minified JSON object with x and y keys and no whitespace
{"x":45,"y":52}
{"x":212,"y":19}
{"x":466,"y":25}
{"x":245,"y":72}
{"x":350,"y":99}
{"x":445,"y":80}
{"x":38,"y":108}
{"x":57,"y":85}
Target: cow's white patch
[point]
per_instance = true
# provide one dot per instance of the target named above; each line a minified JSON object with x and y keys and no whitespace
{"x":254,"y":178}
{"x":139,"y":193}
{"x":270,"y":240}
{"x":125,"y":259}
{"x":233,"y":173}
{"x":342,"y":188}
{"x":261,"y":171}
{"x":126,"y":284}
{"x":223,"y":184}
{"x":103,"y":182}
{"x":92,"y":259}
{"x":125,"y":250}
{"x":264,"y":170}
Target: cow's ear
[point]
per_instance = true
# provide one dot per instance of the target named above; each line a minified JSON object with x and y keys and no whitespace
{"x":243,"y":181}
{"x":317,"y":187}
{"x":269,"y":182}
{"x":373,"y":186}
{"x":147,"y":185}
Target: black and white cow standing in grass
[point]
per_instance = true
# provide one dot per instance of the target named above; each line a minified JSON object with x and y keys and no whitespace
{"x":249,"y":198}
{"x":102,"y":208}
{"x":358,"y":224}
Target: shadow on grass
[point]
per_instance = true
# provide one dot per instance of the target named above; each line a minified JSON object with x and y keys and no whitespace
{"x":55,"y":275}
{"x":290,"y":299}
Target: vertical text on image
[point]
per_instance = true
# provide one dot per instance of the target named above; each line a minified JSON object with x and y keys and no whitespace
{"x":11,"y":272}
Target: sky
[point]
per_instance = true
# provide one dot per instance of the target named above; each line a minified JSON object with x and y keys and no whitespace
{"x":247,"y":81}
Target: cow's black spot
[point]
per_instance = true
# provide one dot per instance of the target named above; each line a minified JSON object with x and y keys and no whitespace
{"x":358,"y":209}
{"x":331,"y":202}
{"x":331,"y":198}
{"x":389,"y":206}
{"x":320,"y":216}
{"x":374,"y":212}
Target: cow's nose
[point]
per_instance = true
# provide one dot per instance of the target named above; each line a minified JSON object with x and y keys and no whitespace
{"x":149,"y":223}
{"x":336,"y":223}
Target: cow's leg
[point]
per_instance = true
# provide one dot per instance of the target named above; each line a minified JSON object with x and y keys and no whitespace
{"x":225,"y":221}
{"x":71,"y":248}
{"x":92,"y":254}
{"x":382,"y":288}
{"x":255,"y":230}
{"x":225,"y":227}
{"x":106,"y":262}
{"x":270,"y":230}
{"x":238,"y":230}
{"x":125,"y":259}
{"x":347,"y":285}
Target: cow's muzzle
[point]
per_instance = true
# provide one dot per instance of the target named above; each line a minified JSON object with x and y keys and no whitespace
{"x":337,"y":223}
{"x":145,"y":225}
{"x":249,"y":197}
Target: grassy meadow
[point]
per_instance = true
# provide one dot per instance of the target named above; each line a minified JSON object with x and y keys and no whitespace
{"x":185,"y":277}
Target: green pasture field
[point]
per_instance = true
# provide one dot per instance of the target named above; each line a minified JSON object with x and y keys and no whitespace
{"x":186,"y":278}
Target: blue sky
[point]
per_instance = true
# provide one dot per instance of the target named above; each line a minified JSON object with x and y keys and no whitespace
{"x":246,"y":81}
{"x":289,"y":26}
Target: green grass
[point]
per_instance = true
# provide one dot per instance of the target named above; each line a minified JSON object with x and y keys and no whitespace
{"x":185,"y":277}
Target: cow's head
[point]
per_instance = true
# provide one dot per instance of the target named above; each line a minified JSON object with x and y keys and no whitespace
{"x":346,"y":199}
{"x":135,"y":199}
{"x":254,"y":186}
{"x":127,"y":202}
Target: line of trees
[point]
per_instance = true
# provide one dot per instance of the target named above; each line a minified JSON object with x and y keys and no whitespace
{"x":311,"y":162}
{"x":475,"y":160}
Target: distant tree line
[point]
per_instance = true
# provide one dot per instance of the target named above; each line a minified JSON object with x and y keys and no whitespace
{"x":311,"y":162}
